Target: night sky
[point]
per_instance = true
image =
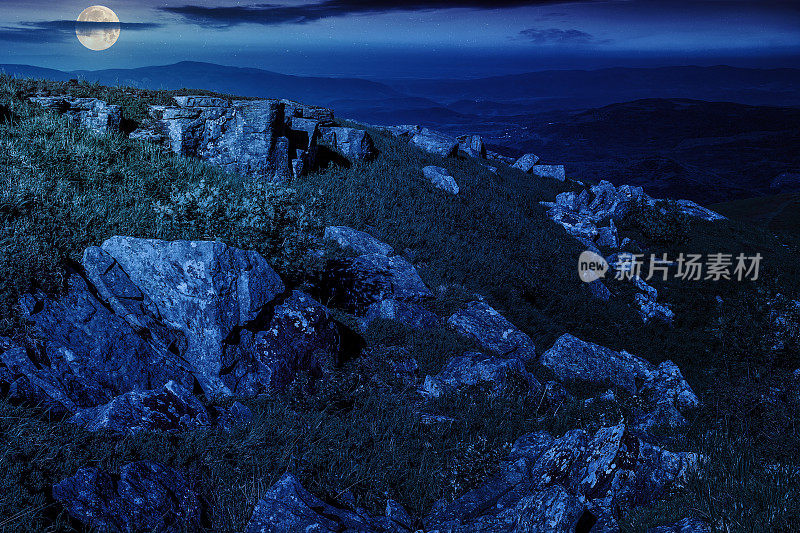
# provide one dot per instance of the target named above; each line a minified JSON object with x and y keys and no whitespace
{"x":397,"y":38}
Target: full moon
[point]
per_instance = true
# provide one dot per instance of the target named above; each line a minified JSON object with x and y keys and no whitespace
{"x":102,"y":37}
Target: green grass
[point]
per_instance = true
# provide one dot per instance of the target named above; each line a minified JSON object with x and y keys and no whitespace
{"x":65,"y":189}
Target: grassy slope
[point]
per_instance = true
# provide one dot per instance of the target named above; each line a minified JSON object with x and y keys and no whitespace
{"x":66,"y":189}
{"x":779,"y":213}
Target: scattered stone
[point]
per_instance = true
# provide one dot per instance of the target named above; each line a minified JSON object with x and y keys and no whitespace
{"x":441,"y":178}
{"x":526,"y":162}
{"x":555,"y":172}
{"x":651,"y":310}
{"x":501,"y":375}
{"x":360,"y":242}
{"x":666,"y":397}
{"x":406,"y":313}
{"x":473,"y":146}
{"x":494,"y":156}
{"x":435,"y":143}
{"x":480,"y":322}
{"x":170,"y":409}
{"x":145,"y":496}
{"x":90,"y":113}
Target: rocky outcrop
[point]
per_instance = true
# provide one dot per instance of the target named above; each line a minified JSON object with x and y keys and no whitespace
{"x":555,"y":172}
{"x":687,"y":525}
{"x":145,"y":496}
{"x":472,"y":146}
{"x":526,"y":162}
{"x":574,"y":482}
{"x":354,"y":144}
{"x":90,"y":113}
{"x":288,"y":506}
{"x":360,"y":242}
{"x":665,"y":396}
{"x":483,"y":324}
{"x":142,"y":312}
{"x":441,"y":179}
{"x":435,"y":143}
{"x":499,"y":375}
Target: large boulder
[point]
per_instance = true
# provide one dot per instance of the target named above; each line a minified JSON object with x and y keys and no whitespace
{"x":472,"y":145}
{"x":483,"y":324}
{"x":356,"y":283}
{"x":145,"y":496}
{"x":555,"y":172}
{"x":170,"y":409}
{"x":500,"y":375}
{"x":435,"y":143}
{"x":288,"y":506}
{"x":441,"y":179}
{"x":571,"y":483}
{"x":526,"y":162}
{"x":352,"y":143}
{"x":360,"y":242}
{"x":90,"y":113}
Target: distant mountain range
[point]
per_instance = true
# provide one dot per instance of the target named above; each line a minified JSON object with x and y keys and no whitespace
{"x":689,"y":132}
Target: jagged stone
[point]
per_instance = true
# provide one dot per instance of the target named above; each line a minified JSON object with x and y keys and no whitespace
{"x":666,"y":397}
{"x":145,"y":496}
{"x":472,"y":145}
{"x":295,"y":109}
{"x":649,"y":309}
{"x":482,"y":323}
{"x":288,"y":506}
{"x":526,"y":162}
{"x":356,"y":283}
{"x":354,"y":144}
{"x":435,"y":143}
{"x":171,"y":408}
{"x":607,"y":236}
{"x":91,"y":113}
{"x":494,"y":156}
{"x":441,"y":178}
{"x":501,"y":375}
{"x":406,"y":313}
{"x":555,"y":172}
{"x":360,"y":242}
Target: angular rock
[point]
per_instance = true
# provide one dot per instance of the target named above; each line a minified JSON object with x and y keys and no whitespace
{"x":649,"y":310}
{"x":555,"y":172}
{"x":494,"y":156}
{"x":441,"y":178}
{"x":356,"y":283}
{"x":90,"y":113}
{"x":599,"y":291}
{"x":667,"y":397}
{"x":295,"y":109}
{"x":501,"y":375}
{"x":354,"y":144}
{"x":607,"y":236}
{"x":435,"y":143}
{"x":472,"y":145}
{"x":170,"y":409}
{"x":145,"y":496}
{"x":288,"y":506}
{"x":235,"y":415}
{"x":482,"y":323}
{"x":526,"y":162}
{"x":573,"y":359}
{"x":406,"y":313}
{"x":360,"y":242}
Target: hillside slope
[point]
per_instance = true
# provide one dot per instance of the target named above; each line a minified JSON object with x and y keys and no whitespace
{"x":356,"y":430}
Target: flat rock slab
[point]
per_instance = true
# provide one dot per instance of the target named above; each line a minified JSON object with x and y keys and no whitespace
{"x":435,"y":143}
{"x":441,"y":179}
{"x":482,"y":323}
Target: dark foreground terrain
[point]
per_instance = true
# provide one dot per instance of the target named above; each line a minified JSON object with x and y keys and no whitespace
{"x":360,"y":344}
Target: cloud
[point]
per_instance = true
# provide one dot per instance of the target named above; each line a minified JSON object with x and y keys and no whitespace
{"x":272,"y":14}
{"x":56,"y":31}
{"x":549,"y":36}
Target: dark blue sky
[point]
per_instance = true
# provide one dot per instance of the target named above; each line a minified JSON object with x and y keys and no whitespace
{"x":398,"y":38}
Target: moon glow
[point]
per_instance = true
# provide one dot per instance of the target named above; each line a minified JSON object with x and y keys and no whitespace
{"x":104,"y":35}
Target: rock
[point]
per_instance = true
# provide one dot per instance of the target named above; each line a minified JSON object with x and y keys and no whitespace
{"x":295,"y":109}
{"x":288,"y":506}
{"x":234,"y":416}
{"x":204,"y":291}
{"x":687,"y":525}
{"x":356,"y":283}
{"x":145,"y":496}
{"x":494,"y":156}
{"x":406,"y":313}
{"x":571,"y":483}
{"x":526,"y":162}
{"x":170,"y":409}
{"x":404,"y":130}
{"x":698,"y":211}
{"x":90,"y":113}
{"x":354,"y":144}
{"x":573,"y":359}
{"x":649,"y":310}
{"x":472,"y":145}
{"x":441,"y":178}
{"x":360,"y":242}
{"x":501,"y":375}
{"x":555,"y":172}
{"x":666,"y":398}
{"x":492,"y":331}
{"x":435,"y":143}
{"x":607,"y":236}
{"x":599,"y":291}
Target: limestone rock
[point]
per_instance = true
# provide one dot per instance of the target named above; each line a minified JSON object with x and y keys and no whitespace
{"x":435,"y":143}
{"x":360,"y":242}
{"x":555,"y":172}
{"x":441,"y":178}
{"x":90,"y":113}
{"x":409,"y":314}
{"x":473,"y":146}
{"x":482,"y":323}
{"x":145,"y":496}
{"x":501,"y":375}
{"x":526,"y":162}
